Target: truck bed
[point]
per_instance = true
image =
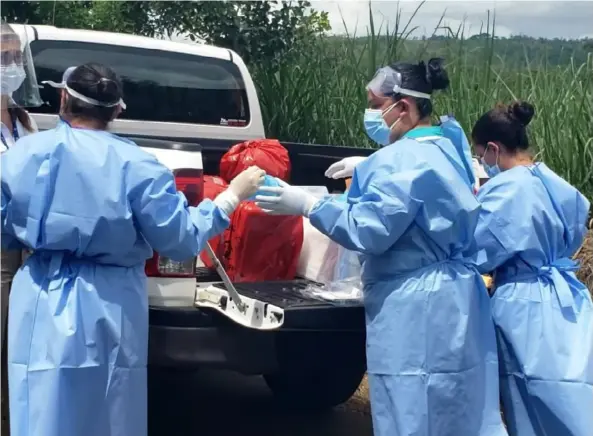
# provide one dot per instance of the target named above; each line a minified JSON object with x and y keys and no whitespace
{"x":301,"y":311}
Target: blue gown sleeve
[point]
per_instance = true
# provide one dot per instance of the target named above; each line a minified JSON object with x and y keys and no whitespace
{"x":9,"y":241}
{"x":375,"y":217}
{"x":502,"y":229}
{"x":169,"y":224}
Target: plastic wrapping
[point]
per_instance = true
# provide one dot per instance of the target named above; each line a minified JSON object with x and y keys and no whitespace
{"x":212,"y":187}
{"x":260,"y":247}
{"x":268,"y":154}
{"x":318,"y":256}
{"x":339,"y":291}
{"x":322,"y":260}
{"x":348,"y":262}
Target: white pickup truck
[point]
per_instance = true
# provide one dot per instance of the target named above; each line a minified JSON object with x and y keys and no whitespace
{"x":187,"y":104}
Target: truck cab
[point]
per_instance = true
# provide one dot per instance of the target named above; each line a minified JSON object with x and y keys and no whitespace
{"x":187,"y":104}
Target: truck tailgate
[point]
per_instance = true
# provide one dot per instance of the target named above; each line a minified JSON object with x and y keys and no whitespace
{"x":301,"y":311}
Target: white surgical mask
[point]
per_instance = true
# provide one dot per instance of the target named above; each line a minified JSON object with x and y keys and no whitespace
{"x":12,"y":77}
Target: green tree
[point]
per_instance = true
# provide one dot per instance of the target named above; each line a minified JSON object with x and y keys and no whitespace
{"x":261,"y":31}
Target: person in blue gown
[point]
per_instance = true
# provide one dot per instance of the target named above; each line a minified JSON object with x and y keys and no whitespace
{"x":92,"y":206}
{"x":411,"y":213}
{"x":531,"y":224}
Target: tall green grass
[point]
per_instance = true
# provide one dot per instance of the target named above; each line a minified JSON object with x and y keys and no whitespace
{"x":319,"y":96}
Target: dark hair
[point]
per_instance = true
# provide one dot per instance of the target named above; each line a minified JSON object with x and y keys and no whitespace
{"x":19,"y":113}
{"x":424,"y":78}
{"x":23,"y":116}
{"x":506,"y":125}
{"x":94,"y":81}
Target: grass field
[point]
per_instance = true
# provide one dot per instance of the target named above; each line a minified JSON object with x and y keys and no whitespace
{"x":319,"y":97}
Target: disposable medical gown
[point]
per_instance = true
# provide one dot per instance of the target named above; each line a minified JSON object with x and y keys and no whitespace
{"x":91,"y":205}
{"x":531,"y":224}
{"x":431,"y":347}
{"x":453,"y":131}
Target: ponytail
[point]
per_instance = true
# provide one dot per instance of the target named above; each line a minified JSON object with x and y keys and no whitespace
{"x":23,"y":117}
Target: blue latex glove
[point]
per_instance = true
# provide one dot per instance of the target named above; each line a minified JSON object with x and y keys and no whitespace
{"x":285,"y":200}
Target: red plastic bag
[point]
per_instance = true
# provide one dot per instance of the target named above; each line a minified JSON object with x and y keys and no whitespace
{"x":212,"y":187}
{"x":262,"y":247}
{"x":268,"y":154}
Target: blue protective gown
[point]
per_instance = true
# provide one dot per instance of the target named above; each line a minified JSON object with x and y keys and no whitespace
{"x":91,"y":205}
{"x":453,"y":131}
{"x":531,"y":224}
{"x":431,"y":347}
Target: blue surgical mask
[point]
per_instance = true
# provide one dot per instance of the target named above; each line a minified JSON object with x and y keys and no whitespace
{"x":376,"y":127}
{"x":491,"y":170}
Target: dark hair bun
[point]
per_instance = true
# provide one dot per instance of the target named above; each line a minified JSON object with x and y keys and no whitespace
{"x":522,"y":112}
{"x":108,"y":91}
{"x":436,"y":74}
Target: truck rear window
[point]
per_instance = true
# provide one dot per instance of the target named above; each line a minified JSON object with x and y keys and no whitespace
{"x":158,"y":85}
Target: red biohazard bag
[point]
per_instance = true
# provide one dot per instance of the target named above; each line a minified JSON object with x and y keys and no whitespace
{"x":268,"y":154}
{"x":212,"y":187}
{"x":262,"y":247}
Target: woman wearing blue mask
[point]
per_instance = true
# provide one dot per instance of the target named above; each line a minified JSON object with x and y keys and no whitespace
{"x":411,"y":213}
{"x":531,"y":224}
{"x":380,"y":109}
{"x":18,"y":89}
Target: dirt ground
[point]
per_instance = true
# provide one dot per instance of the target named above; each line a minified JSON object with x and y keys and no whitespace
{"x":226,"y":404}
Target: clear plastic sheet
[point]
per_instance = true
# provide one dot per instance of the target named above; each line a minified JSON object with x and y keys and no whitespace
{"x":344,"y":291}
{"x":322,"y":260}
{"x":347,"y":264}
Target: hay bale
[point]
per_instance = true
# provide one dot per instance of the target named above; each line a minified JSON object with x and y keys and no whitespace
{"x":585,"y":256}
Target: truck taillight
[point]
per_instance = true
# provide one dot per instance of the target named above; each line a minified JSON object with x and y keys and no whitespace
{"x":191,"y":183}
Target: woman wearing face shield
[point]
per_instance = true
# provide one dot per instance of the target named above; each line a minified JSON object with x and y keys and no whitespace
{"x":410,"y":212}
{"x":18,"y":89}
{"x":376,"y":130}
{"x":531,"y":224}
{"x":92,"y":206}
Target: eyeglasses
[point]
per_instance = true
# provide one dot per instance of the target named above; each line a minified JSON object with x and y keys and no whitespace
{"x":8,"y":57}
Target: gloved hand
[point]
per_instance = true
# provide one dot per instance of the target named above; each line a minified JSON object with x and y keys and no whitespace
{"x":247,"y":182}
{"x":285,"y":200}
{"x":241,"y":188}
{"x":344,"y":168}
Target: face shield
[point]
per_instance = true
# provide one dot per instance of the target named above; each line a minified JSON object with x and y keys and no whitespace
{"x":17,"y":72}
{"x":388,"y":82}
{"x":73,"y":93}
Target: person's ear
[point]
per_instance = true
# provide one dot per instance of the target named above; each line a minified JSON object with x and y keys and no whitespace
{"x":494,"y":147}
{"x":118,"y":110}
{"x":404,"y":107}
